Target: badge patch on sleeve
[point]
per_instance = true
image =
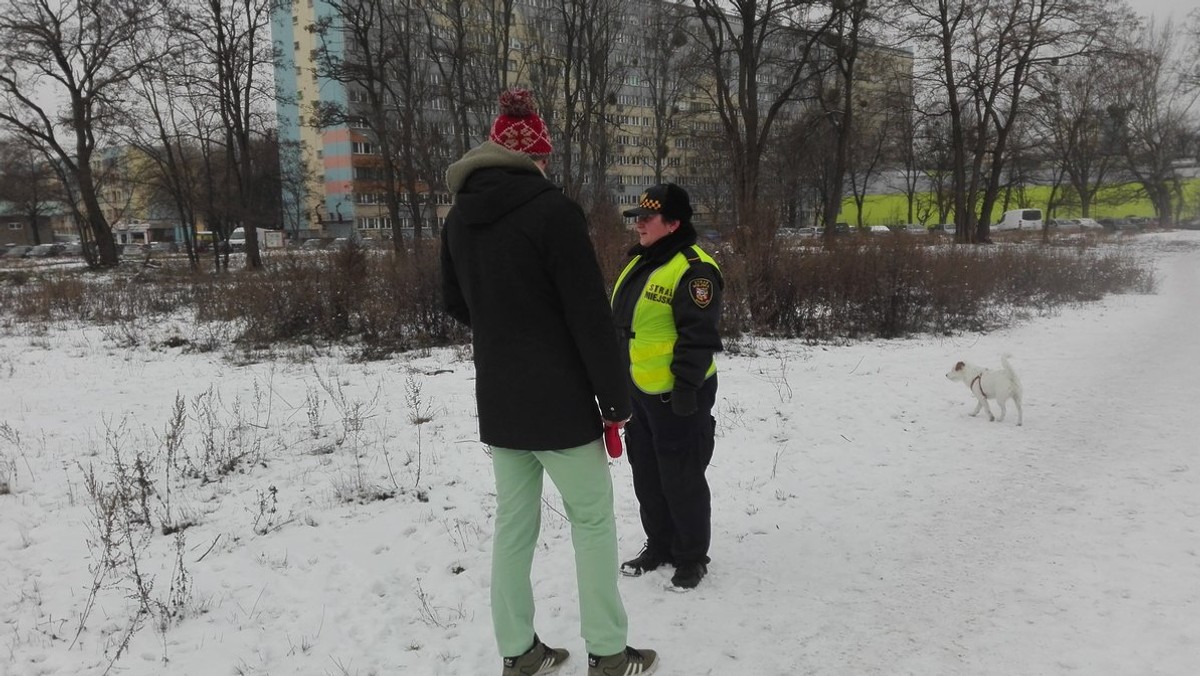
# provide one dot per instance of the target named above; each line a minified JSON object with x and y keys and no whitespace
{"x":701,"y":292}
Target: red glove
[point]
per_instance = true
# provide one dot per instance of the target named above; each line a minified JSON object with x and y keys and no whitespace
{"x":612,"y":440}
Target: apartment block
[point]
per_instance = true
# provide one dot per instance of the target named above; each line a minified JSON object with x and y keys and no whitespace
{"x":652,"y":125}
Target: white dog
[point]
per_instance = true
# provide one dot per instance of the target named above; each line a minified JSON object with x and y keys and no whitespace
{"x":1000,"y":385}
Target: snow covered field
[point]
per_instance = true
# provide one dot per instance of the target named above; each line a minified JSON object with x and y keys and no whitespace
{"x":863,"y":522}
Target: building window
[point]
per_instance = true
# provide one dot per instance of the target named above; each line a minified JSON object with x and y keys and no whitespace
{"x":16,"y":226}
{"x":375,"y":223}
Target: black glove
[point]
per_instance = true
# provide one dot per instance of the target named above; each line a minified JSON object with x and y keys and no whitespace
{"x":683,"y":402}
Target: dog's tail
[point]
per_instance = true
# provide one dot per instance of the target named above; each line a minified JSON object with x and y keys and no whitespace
{"x":1008,"y":367}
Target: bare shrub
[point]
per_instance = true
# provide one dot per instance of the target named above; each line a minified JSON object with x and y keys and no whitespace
{"x":8,"y":458}
{"x":859,"y":287}
{"x":266,"y":517}
{"x":8,"y":470}
{"x":383,"y":302}
{"x":228,"y":441}
{"x":84,"y":295}
{"x":131,"y":495}
{"x":420,"y":412}
{"x":120,"y":537}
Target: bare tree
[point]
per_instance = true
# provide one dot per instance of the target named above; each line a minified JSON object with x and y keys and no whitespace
{"x":668,"y":71}
{"x":574,"y":75}
{"x":379,"y":50}
{"x":77,"y":54}
{"x":1153,"y":119}
{"x":233,"y":41}
{"x":841,"y":100}
{"x":989,"y":54}
{"x":1072,"y":116}
{"x":28,"y":183}
{"x":904,"y":153}
{"x":865,"y":156}
{"x":795,"y":174}
{"x":867,"y":105}
{"x":932,"y":153}
{"x":296,"y":178}
{"x":164,"y":128}
{"x":469,"y":45}
{"x":758,"y":56}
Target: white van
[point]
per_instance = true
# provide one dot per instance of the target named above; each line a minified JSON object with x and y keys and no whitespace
{"x":237,"y":239}
{"x":267,"y":239}
{"x":1020,"y":219}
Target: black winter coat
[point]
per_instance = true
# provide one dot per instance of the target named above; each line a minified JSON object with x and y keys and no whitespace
{"x":518,"y":267}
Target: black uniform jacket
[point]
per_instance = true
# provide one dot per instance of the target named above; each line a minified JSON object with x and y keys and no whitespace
{"x":518,"y":267}
{"x":696,"y":324}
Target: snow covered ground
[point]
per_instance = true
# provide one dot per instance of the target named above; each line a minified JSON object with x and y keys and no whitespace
{"x":863,"y":522}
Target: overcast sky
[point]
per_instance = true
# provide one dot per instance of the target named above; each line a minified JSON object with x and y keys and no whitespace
{"x":1164,"y":8}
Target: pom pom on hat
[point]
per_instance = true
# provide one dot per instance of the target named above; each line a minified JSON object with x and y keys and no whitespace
{"x":517,"y":102}
{"x":518,"y":127}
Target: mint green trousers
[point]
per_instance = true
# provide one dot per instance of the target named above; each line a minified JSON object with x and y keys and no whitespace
{"x":582,"y":477}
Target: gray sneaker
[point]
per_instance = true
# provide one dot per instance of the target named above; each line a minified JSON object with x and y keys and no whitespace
{"x":539,"y":659}
{"x":631,"y":662}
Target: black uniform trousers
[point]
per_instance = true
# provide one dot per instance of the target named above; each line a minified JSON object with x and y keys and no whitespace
{"x":669,"y":454}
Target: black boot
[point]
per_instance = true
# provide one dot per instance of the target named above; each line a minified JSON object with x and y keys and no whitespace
{"x":688,"y":575}
{"x":644,"y":562}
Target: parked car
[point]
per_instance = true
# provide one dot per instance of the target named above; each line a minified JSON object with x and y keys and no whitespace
{"x":878,"y":230}
{"x":915,"y":229}
{"x":787,"y":232}
{"x":18,"y":251}
{"x":162,"y":247}
{"x":1090,"y":224}
{"x":946,"y":228}
{"x":1118,"y":224}
{"x":72,"y":249}
{"x":1063,"y":223}
{"x":313,"y":244}
{"x":45,"y":250}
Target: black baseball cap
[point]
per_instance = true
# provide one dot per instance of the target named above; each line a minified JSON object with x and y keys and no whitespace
{"x":667,"y":199}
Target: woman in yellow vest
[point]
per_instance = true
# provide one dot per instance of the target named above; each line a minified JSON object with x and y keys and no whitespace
{"x":666,"y":305}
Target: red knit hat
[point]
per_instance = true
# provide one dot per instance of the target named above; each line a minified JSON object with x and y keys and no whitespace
{"x":518,"y":126}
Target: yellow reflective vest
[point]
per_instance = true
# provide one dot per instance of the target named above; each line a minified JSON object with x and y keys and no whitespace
{"x":653,"y":334}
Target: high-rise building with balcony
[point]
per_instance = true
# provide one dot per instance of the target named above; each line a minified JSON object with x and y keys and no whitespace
{"x":640,"y":111}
